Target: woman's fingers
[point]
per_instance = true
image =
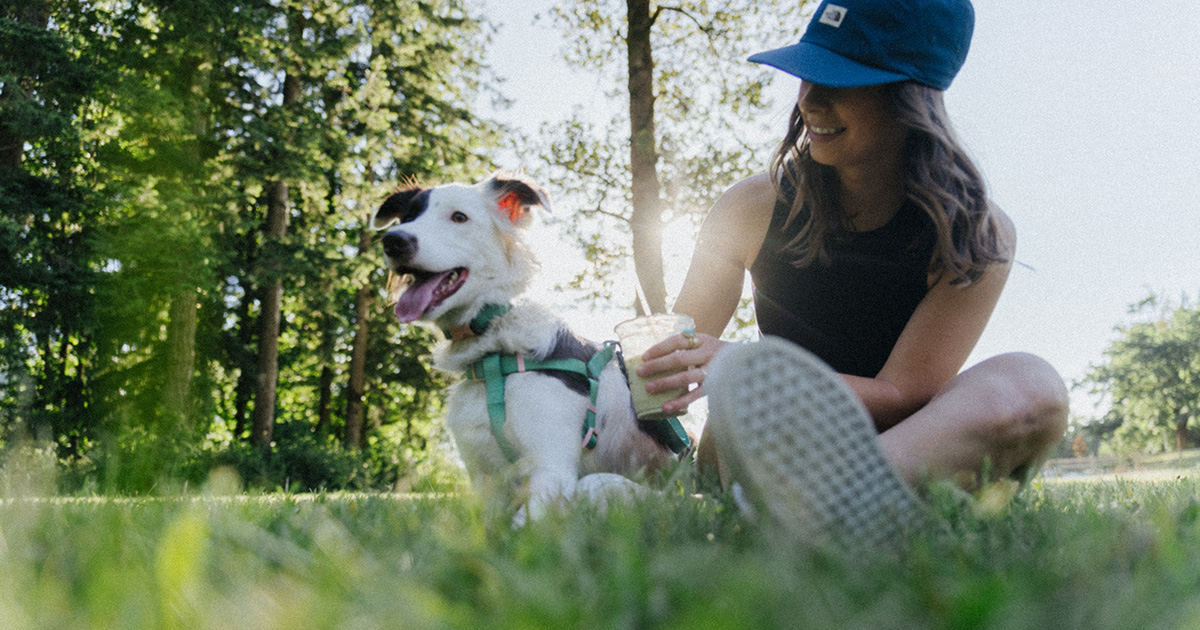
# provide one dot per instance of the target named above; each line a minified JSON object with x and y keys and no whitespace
{"x":683,"y":378}
{"x":676,"y":353}
{"x":672,"y":344}
{"x":680,"y":405}
{"x":679,"y":362}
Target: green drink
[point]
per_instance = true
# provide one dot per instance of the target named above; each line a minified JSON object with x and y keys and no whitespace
{"x":637,"y":335}
{"x":648,"y":406}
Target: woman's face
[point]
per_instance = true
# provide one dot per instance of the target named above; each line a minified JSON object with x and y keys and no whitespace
{"x":850,"y":127}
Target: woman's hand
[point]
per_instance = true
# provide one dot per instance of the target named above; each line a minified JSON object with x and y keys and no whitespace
{"x":728,"y":244}
{"x":679,"y":361}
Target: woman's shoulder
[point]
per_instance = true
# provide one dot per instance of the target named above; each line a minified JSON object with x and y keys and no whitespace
{"x":751,"y":199}
{"x":756,"y":190}
{"x":739,"y":219}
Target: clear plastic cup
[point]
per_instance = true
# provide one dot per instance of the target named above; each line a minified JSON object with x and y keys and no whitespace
{"x":637,"y":335}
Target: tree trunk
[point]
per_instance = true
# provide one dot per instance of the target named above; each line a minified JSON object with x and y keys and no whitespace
{"x":243,"y":392}
{"x":263,"y":425}
{"x":647,"y":210}
{"x":324,"y":398}
{"x":1181,"y":437}
{"x":325,"y":384}
{"x":181,"y":356}
{"x":181,"y":327}
{"x":356,"y":394}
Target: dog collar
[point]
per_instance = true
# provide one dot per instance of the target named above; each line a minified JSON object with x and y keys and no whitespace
{"x":478,"y":324}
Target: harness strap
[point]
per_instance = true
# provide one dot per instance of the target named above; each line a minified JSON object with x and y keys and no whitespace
{"x":493,"y":376}
{"x":494,"y":368}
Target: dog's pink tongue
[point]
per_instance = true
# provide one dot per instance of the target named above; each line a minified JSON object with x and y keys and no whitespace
{"x":416,"y":299}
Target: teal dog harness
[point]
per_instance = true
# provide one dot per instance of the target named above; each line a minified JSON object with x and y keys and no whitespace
{"x":494,"y":369}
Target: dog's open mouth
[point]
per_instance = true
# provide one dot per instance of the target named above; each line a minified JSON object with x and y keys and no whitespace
{"x":426,"y":290}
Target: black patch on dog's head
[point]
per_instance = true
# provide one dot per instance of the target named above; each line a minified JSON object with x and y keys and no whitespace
{"x":403,"y":206}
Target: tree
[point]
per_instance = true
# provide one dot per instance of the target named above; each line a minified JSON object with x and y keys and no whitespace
{"x":168,"y":174}
{"x":48,"y":213}
{"x":274,"y":229}
{"x":1151,"y":374}
{"x":361,"y":95}
{"x":177,"y":176}
{"x":402,"y":114}
{"x":695,"y":115}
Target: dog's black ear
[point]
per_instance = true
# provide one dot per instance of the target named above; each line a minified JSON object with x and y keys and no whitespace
{"x":403,"y":205}
{"x":515,"y":194}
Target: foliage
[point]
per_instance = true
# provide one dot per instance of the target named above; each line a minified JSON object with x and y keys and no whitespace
{"x":306,"y":462}
{"x":1151,"y":375}
{"x":48,"y":211}
{"x":150,"y":137}
{"x":710,"y":116}
{"x":1094,"y":555}
{"x":140,"y":462}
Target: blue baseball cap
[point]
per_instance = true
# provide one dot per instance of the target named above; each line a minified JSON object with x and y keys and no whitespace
{"x":852,"y":43}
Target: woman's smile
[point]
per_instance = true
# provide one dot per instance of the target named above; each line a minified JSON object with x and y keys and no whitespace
{"x":823,"y":133}
{"x":857,"y":118}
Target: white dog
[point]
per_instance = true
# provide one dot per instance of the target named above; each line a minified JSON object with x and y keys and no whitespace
{"x":523,"y":410}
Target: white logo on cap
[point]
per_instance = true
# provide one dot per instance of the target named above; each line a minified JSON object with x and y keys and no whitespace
{"x":833,"y":15}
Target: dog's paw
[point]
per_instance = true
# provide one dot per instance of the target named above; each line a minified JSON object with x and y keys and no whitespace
{"x":603,"y":489}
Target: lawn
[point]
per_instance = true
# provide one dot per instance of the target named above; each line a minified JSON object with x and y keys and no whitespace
{"x":1108,"y":554}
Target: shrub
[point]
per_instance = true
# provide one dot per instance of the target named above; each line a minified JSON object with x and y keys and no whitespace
{"x":137,"y":461}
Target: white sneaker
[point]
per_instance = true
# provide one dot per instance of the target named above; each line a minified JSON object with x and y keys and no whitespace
{"x":803,"y":448}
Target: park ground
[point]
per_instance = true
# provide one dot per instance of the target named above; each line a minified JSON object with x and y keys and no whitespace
{"x":1107,"y":551}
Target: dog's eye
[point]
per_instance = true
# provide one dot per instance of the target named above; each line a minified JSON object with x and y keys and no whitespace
{"x":459,"y":217}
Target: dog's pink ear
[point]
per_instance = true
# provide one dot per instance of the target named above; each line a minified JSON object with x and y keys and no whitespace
{"x":511,"y":207}
{"x":401,"y":205}
{"x":516,"y":194}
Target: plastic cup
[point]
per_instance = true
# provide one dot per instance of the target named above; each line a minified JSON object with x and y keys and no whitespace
{"x":637,"y":335}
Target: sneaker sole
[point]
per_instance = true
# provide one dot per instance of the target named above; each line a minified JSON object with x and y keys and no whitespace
{"x":803,"y":447}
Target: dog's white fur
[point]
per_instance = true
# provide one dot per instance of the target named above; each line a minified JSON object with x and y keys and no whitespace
{"x":473,"y":227}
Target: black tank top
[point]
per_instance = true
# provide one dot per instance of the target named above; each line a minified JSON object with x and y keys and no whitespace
{"x":851,"y":311}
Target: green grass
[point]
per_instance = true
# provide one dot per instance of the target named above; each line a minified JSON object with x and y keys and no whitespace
{"x":1078,"y":555}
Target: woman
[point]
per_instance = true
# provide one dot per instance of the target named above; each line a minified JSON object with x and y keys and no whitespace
{"x":872,"y":245}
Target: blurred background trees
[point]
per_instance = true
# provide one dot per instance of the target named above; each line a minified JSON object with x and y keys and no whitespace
{"x":693,"y":120}
{"x":1150,"y":379}
{"x":184,"y":188}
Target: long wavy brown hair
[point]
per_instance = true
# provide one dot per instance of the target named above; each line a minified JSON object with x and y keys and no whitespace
{"x":939,"y":178}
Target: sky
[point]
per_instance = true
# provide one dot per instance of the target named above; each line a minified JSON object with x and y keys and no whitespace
{"x":1084,"y":118}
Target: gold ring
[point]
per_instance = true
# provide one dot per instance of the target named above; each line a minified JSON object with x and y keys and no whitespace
{"x":692,"y":341}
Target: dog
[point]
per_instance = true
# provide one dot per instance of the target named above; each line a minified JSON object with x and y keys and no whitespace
{"x":464,"y":264}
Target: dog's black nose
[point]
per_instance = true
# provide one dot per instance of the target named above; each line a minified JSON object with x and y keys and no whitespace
{"x":399,"y":245}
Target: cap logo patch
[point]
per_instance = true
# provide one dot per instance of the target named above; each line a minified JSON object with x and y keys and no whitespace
{"x":833,"y":15}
